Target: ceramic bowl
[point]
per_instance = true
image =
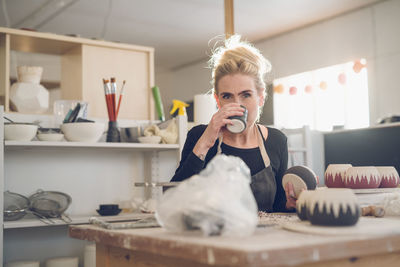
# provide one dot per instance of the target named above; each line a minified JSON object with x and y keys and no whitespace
{"x":150,"y":139}
{"x":362,"y":177}
{"x":333,"y":207}
{"x":19,"y":131}
{"x":52,"y":137}
{"x":49,"y":130}
{"x":301,"y":177}
{"x":334,"y":175}
{"x":108,"y":210}
{"x":83,"y":131}
{"x":389,"y":176}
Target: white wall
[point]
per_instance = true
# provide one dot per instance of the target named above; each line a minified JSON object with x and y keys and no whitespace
{"x":184,"y":83}
{"x":372,"y":33}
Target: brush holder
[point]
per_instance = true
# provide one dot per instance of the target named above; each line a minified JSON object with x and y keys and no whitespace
{"x":113,"y":134}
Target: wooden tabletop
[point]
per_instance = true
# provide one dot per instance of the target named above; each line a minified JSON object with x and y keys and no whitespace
{"x":270,"y":245}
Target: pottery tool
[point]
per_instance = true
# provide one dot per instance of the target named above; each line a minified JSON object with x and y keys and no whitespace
{"x":377,"y":211}
{"x":158,"y":102}
{"x":74,"y":113}
{"x":120,"y":98}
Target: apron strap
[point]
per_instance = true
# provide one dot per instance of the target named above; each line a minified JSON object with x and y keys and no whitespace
{"x":261,"y":146}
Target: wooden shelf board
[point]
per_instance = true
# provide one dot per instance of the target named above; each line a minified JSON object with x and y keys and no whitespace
{"x":83,"y":219}
{"x":13,"y":145}
{"x":50,"y":43}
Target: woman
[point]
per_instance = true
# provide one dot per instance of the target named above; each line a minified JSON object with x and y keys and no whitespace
{"x":238,"y":70}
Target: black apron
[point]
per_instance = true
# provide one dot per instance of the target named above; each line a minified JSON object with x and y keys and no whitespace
{"x":263,"y":183}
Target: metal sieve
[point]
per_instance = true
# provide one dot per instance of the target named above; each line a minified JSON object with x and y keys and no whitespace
{"x":15,"y":206}
{"x":50,"y":204}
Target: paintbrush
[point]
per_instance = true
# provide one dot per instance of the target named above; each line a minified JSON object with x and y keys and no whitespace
{"x":107,"y":89}
{"x":120,"y":97}
{"x":113,"y":92}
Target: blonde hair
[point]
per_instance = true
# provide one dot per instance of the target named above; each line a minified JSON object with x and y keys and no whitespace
{"x":236,"y":56}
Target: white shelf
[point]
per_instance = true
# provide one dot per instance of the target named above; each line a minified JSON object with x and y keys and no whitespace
{"x":83,"y":219}
{"x":14,"y":145}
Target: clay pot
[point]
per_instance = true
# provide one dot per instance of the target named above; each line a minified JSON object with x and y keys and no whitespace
{"x":301,"y":204}
{"x":389,"y":176}
{"x":362,"y":177}
{"x":302,"y":178}
{"x":333,"y":207}
{"x":334,"y":175}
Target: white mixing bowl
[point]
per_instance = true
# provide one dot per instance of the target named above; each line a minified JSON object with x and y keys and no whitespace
{"x":19,"y":131}
{"x":83,"y":131}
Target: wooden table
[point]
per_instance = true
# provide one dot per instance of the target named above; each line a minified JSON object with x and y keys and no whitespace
{"x":268,"y":246}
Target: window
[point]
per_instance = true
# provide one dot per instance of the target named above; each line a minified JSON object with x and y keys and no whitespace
{"x":323,"y":98}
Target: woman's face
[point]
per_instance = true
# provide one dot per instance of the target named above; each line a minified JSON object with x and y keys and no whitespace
{"x":241,"y":89}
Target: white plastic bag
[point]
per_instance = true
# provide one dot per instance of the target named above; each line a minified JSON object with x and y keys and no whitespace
{"x":391,"y":203}
{"x":217,"y":201}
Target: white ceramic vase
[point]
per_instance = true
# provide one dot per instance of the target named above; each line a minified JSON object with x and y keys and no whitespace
{"x":27,"y":95}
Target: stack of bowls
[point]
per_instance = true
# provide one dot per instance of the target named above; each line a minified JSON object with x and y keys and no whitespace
{"x":49,"y":134}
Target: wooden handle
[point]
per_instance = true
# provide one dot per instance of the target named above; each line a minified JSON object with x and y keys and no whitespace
{"x":377,"y":211}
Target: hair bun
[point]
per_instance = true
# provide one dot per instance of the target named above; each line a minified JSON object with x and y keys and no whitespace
{"x":238,"y":56}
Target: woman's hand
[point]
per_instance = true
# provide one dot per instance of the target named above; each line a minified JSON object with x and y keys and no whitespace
{"x":216,"y":125}
{"x":290,"y":196}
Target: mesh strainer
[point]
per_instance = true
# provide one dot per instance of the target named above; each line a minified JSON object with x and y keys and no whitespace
{"x":15,"y":206}
{"x":51,"y":204}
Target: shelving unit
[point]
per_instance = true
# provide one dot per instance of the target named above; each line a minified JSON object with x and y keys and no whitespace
{"x":91,"y":173}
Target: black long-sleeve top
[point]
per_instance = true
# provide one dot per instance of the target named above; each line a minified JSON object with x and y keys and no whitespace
{"x":275,"y":145}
